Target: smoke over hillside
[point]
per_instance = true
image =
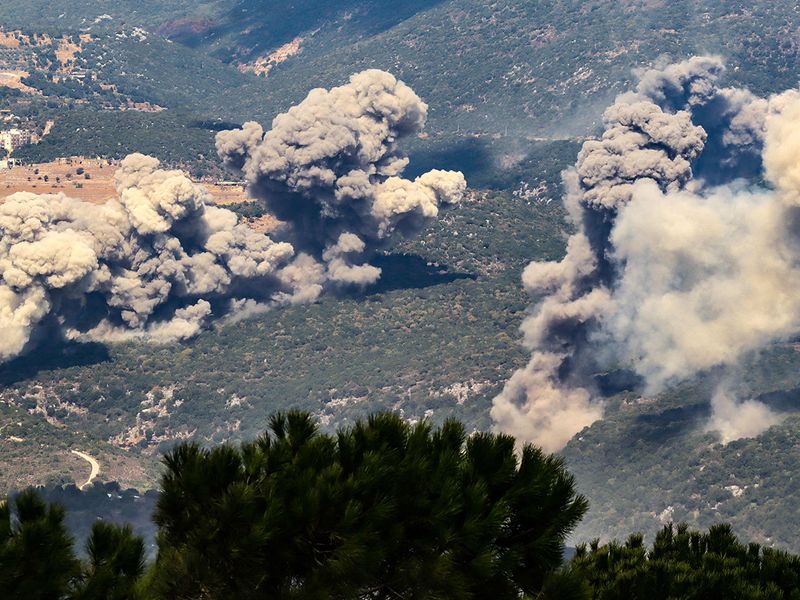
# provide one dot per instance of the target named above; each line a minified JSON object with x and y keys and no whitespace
{"x":330,"y":169}
{"x":679,"y":264}
{"x":159,"y":261}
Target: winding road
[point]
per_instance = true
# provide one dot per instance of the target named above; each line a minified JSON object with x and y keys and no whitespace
{"x":91,"y":461}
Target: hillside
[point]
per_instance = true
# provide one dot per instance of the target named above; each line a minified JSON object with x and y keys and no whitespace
{"x":435,"y":339}
{"x":508,"y":70}
{"x":513,"y":87}
{"x":651,"y":462}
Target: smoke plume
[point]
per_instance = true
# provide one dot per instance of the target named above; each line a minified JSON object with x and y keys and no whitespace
{"x":732,"y":420}
{"x":154,"y":263}
{"x":160,"y":260}
{"x":330,"y":170}
{"x":679,"y":263}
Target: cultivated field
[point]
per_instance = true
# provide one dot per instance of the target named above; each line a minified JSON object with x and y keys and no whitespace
{"x":92,"y":180}
{"x":89,"y":179}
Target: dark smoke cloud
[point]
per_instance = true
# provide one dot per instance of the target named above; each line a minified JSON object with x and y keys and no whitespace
{"x":678,"y":265}
{"x":160,"y":260}
{"x":331,"y":170}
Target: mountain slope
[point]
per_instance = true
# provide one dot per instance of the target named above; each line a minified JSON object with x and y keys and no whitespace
{"x":550,"y":67}
{"x":492,"y":73}
{"x":509,"y":67}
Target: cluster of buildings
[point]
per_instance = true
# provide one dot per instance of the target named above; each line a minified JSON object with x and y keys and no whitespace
{"x":11,"y":139}
{"x":12,"y":136}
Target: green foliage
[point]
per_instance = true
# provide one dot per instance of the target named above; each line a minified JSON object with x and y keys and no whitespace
{"x":37,"y":561}
{"x":116,"y":562}
{"x":489,"y":71}
{"x":650,"y":459}
{"x":506,"y":67}
{"x":172,"y":136}
{"x":383,"y":509}
{"x":36,"y":558}
{"x":493,"y":74}
{"x":73,"y":14}
{"x":397,"y":348}
{"x":688,"y":565}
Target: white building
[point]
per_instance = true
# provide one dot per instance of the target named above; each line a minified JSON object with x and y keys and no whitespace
{"x":11,"y":139}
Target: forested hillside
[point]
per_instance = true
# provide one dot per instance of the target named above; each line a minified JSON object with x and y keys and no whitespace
{"x":513,"y":87}
{"x":512,"y":68}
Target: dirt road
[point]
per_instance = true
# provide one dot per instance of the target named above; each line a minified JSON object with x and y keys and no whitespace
{"x":91,"y":461}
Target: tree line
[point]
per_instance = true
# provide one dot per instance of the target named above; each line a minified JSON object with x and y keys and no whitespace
{"x":382,"y":509}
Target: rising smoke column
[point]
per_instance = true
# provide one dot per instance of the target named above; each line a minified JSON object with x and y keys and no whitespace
{"x":331,"y":170}
{"x":160,"y":260}
{"x":678,"y":265}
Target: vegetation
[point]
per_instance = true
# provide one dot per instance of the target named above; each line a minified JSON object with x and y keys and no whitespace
{"x":422,"y":343}
{"x":503,"y":71}
{"x":382,"y":509}
{"x":650,"y":460}
{"x":109,"y":502}
{"x":37,"y":561}
{"x":174,"y":137}
{"x":509,"y":68}
{"x":689,"y":565}
{"x":439,"y":335}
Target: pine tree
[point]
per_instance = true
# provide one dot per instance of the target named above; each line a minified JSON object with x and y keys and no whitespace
{"x":36,"y":557}
{"x":116,"y":563}
{"x":688,"y":565}
{"x":37,"y":561}
{"x":383,"y":509}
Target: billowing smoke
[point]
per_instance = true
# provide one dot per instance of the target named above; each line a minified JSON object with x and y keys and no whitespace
{"x":156,"y":262}
{"x":330,"y":170}
{"x":160,"y":260}
{"x":679,"y":263}
{"x":732,"y":420}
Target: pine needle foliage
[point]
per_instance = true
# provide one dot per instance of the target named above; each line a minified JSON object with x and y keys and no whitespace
{"x":688,"y":565}
{"x":383,"y":509}
{"x":37,"y":560}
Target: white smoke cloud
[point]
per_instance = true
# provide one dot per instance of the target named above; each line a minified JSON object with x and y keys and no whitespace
{"x":534,"y":406}
{"x":640,"y":141}
{"x":678,"y":266}
{"x":339,"y":269}
{"x":732,"y":420}
{"x":148,"y":264}
{"x":705,"y":278}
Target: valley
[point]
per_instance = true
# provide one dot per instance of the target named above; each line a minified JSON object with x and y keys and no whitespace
{"x":514,"y":89}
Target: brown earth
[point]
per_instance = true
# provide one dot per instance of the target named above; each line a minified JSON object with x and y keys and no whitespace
{"x":264,"y":64}
{"x":13,"y":80}
{"x":63,"y":177}
{"x":32,"y":461}
{"x":8,"y":40}
{"x":226,"y":194}
{"x":67,"y":51}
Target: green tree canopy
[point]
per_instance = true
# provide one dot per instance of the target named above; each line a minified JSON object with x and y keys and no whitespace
{"x":116,"y":563}
{"x":37,"y":561}
{"x":36,"y":558}
{"x":688,"y":565}
{"x":383,"y":509}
